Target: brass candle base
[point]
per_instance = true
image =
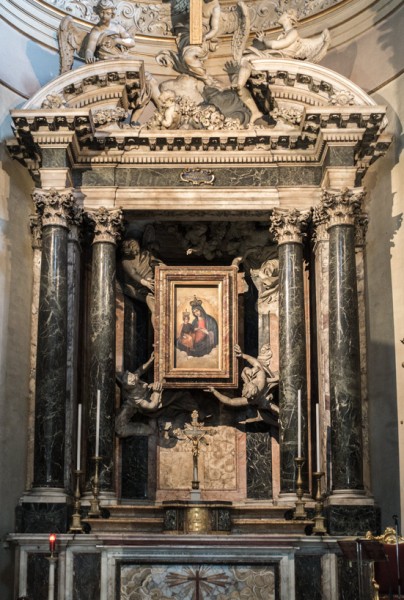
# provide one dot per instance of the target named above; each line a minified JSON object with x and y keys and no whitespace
{"x":76,"y":526}
{"x":95,"y":511}
{"x":300,"y":511}
{"x":319,"y":519}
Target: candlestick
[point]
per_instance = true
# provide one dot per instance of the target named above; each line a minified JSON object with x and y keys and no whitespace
{"x":51,"y":582}
{"x":97,"y":424}
{"x":318,"y":449}
{"x":76,"y":526}
{"x":79,"y":412}
{"x":300,"y":511}
{"x":319,"y":527}
{"x":95,"y":510}
{"x":299,"y":423}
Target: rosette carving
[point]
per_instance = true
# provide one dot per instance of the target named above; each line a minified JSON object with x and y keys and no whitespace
{"x":107,"y":224}
{"x":289,"y":226}
{"x":54,"y":207}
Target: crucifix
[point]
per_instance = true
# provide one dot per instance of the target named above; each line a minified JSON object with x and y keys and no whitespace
{"x":196,"y":432}
{"x":203,"y":581}
{"x":195,"y":22}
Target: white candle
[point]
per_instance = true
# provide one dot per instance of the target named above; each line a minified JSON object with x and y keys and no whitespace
{"x":299,"y":423}
{"x":97,"y":424}
{"x":318,"y":436}
{"x":78,"y":464}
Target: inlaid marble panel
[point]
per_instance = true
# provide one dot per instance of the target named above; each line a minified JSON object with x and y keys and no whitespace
{"x":259,"y":465}
{"x":38,"y":576}
{"x":217,"y":463}
{"x":205,"y":582}
{"x":86,"y":576}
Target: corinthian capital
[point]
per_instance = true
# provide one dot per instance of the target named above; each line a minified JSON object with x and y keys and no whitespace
{"x":108,"y":224}
{"x":289,"y":226}
{"x":342,"y":206}
{"x":53,"y":207}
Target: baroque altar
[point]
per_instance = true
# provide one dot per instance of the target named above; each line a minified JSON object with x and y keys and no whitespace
{"x":198,"y":244}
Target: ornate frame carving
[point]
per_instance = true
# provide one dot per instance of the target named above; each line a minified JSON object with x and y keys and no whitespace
{"x":180,"y":291}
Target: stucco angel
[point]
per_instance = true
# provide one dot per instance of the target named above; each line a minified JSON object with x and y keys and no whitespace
{"x":258,"y":382}
{"x":107,"y":39}
{"x":288,"y":45}
{"x":139,"y":397}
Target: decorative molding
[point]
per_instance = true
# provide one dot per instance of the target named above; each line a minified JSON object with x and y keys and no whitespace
{"x":288,"y":226}
{"x":108,"y":224}
{"x":342,"y":206}
{"x":197,"y":177}
{"x":54,"y":207}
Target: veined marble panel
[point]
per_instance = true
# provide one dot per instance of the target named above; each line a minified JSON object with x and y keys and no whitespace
{"x":206,"y":582}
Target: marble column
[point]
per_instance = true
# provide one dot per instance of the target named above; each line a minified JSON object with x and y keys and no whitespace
{"x":287,"y":228}
{"x":107,"y":228}
{"x":53,"y":208}
{"x":73,"y":333}
{"x":341,"y":206}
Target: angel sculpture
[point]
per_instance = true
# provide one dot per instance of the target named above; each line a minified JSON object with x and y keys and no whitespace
{"x":288,"y":45}
{"x":106,"y":40}
{"x":190,"y":58}
{"x":258,"y":381}
{"x":139,"y":397}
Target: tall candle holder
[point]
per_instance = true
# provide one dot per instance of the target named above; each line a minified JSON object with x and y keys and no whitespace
{"x":300,"y":511}
{"x":95,"y":511}
{"x":76,"y":526}
{"x":52,"y":568}
{"x":319,"y":519}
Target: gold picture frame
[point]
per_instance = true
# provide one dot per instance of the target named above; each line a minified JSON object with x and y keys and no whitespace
{"x":196,"y":326}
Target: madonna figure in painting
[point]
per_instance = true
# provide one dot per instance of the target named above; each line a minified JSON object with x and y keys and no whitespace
{"x":201,"y":336}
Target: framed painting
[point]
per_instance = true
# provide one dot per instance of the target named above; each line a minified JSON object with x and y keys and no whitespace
{"x":196,"y":326}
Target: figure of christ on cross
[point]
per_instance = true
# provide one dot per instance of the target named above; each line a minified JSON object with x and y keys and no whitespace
{"x":203,"y":581}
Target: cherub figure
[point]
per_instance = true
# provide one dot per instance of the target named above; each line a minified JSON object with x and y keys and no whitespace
{"x":258,"y":380}
{"x":107,"y":39}
{"x":138,"y":397}
{"x":288,"y":45}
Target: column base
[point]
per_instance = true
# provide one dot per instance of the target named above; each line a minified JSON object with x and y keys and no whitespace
{"x":289,"y":499}
{"x":44,"y":510}
{"x":352,"y":512}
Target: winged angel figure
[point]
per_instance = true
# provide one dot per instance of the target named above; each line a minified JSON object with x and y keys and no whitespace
{"x":190,"y":58}
{"x":106,"y":40}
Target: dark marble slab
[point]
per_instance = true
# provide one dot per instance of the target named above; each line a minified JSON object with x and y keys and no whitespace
{"x":308,"y":577}
{"x":35,"y":517}
{"x":86,"y":576}
{"x":38,"y":576}
{"x":353,"y":520}
{"x":224,"y":177}
{"x":54,"y":158}
{"x":340,"y":156}
{"x":259,"y":465}
{"x":134,"y":475}
{"x":348,"y":580}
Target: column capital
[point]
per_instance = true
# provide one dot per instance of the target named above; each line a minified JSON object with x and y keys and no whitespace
{"x":288,"y":226}
{"x":53,"y":207}
{"x":361,"y":227}
{"x":340,"y":207}
{"x":108,"y":224}
{"x":75,"y":221}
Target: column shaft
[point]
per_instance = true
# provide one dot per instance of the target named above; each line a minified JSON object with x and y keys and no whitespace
{"x":50,"y":408}
{"x":292,"y":361}
{"x":345,"y":389}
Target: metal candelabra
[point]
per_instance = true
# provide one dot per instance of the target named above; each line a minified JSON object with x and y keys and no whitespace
{"x":319,"y":520}
{"x":95,"y":511}
{"x":76,"y":526}
{"x":300,"y":511}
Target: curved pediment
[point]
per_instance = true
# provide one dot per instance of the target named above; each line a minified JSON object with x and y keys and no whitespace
{"x":303,"y":82}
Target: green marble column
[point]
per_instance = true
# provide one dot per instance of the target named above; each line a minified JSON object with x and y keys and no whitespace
{"x":287,"y":228}
{"x":107,"y":228}
{"x":345,"y":375}
{"x":53,"y":209}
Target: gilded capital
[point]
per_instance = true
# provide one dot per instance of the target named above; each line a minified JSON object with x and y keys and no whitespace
{"x":342,"y":206}
{"x":53,"y":207}
{"x":289,"y":226}
{"x":108,"y":224}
